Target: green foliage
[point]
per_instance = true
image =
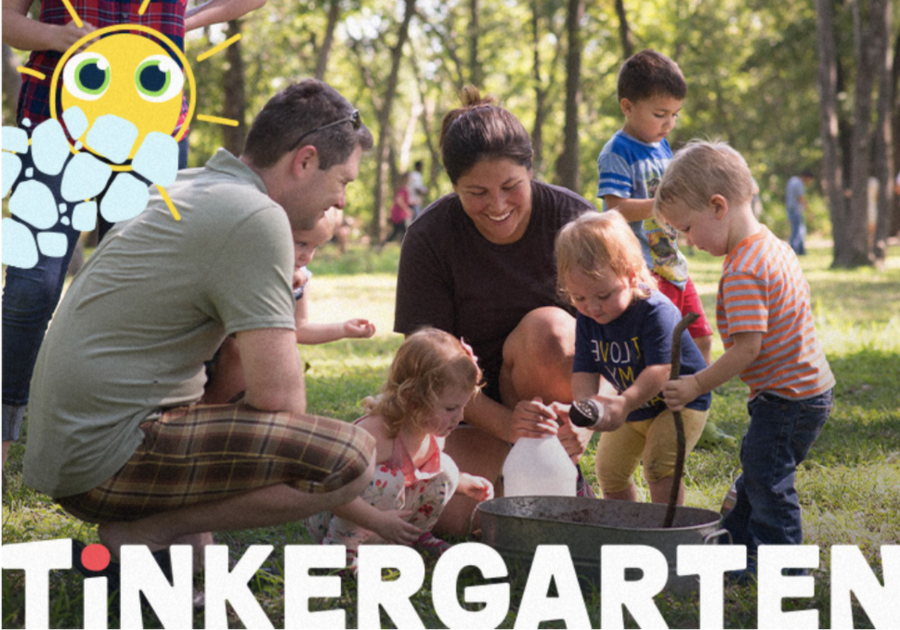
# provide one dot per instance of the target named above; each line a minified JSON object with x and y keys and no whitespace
{"x":847,"y":486}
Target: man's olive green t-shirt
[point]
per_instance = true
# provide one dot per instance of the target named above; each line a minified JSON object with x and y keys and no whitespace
{"x":152,"y":304}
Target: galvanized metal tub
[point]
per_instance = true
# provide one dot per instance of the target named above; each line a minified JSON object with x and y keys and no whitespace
{"x":515,"y":526}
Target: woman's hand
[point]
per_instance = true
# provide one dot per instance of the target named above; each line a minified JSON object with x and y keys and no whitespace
{"x":533,"y":419}
{"x":394,"y":527}
{"x":476,"y":488}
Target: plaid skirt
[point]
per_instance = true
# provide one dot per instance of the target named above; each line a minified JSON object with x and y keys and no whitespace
{"x":202,"y":453}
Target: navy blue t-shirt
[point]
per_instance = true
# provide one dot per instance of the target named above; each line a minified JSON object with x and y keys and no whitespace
{"x":641,"y":336}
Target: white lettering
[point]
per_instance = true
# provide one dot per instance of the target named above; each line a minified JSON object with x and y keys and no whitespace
{"x":300,"y":586}
{"x":636,"y":595}
{"x":495,"y":597}
{"x":552,"y":562}
{"x":851,"y":573}
{"x":710,"y":562}
{"x":222,"y":585}
{"x":173,"y":604}
{"x":774,"y":587}
{"x":392,"y":595}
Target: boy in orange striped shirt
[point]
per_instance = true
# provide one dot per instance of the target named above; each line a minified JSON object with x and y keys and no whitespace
{"x":765,"y":321}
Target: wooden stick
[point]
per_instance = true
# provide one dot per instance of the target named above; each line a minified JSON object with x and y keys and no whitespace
{"x":679,"y":424}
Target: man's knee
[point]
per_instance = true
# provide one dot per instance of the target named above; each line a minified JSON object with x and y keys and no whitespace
{"x":355,"y":487}
{"x":355,"y":466}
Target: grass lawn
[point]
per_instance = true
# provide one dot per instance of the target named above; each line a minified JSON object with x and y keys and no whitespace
{"x":849,"y":486}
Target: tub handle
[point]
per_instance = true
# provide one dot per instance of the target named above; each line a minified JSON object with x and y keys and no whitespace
{"x":712,"y":536}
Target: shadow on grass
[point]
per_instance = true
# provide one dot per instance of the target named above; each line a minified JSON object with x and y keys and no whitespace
{"x":864,"y":427}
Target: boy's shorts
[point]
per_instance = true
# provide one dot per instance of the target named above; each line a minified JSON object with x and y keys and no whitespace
{"x":652,"y":442}
{"x":192,"y":455}
{"x":687,"y":301}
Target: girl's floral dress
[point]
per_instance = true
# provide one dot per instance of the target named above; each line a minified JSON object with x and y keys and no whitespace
{"x":396,"y":485}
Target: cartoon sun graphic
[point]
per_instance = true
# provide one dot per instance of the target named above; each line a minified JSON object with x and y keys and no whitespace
{"x":117,"y":94}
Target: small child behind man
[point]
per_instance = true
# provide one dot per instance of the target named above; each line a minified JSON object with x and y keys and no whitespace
{"x":766,"y":324}
{"x":225,"y":373}
{"x":651,"y":90}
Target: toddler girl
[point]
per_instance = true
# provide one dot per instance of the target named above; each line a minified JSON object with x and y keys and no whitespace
{"x":623,"y":347}
{"x":432,"y":378}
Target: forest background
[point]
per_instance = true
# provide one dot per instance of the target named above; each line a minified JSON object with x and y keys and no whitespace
{"x":793,"y":85}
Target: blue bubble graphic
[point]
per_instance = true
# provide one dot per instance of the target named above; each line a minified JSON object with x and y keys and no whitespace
{"x":84,"y":216}
{"x":112,"y":137}
{"x":19,"y":248}
{"x":126,"y":198}
{"x":76,"y":122}
{"x":52,"y":243}
{"x":157,"y":158}
{"x":15,"y":140}
{"x":12,"y":167}
{"x":49,"y":147}
{"x":85,"y":177}
{"x":33,"y":203}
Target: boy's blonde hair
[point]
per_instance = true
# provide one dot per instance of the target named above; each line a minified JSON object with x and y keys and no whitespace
{"x":428,"y":362}
{"x":595,"y":241}
{"x":700,"y":170}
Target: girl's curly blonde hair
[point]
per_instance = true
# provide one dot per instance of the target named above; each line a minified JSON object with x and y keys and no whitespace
{"x":595,"y":241}
{"x":429,"y":361}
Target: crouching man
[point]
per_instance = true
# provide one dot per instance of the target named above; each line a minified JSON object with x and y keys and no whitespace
{"x":116,"y":436}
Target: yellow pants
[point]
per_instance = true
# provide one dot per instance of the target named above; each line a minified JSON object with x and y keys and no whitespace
{"x":652,"y":442}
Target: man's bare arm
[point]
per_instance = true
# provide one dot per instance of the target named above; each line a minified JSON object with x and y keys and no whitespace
{"x":272,"y":370}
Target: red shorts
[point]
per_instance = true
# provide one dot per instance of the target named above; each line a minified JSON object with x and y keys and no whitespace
{"x":687,"y":301}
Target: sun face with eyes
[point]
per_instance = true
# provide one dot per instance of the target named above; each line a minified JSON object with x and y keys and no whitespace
{"x":129,"y":76}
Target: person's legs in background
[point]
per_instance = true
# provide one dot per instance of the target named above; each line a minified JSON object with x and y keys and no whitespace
{"x":30,"y":297}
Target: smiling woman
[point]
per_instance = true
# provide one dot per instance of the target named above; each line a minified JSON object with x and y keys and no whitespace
{"x":478,"y":263}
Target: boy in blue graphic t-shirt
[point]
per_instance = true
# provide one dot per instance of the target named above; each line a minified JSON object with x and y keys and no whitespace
{"x":651,"y":90}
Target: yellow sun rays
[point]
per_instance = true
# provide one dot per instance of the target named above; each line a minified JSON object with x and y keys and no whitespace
{"x":200,"y":58}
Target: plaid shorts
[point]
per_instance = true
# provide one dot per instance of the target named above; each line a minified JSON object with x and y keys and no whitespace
{"x":202,"y":453}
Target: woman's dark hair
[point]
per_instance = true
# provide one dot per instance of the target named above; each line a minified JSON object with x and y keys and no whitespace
{"x":481,"y":130}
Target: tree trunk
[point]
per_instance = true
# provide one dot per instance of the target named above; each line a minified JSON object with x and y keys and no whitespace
{"x":855,"y":248}
{"x":385,"y":128}
{"x":235,"y":99}
{"x":11,"y":81}
{"x":567,"y":166}
{"x":476,"y":73}
{"x":426,"y":116}
{"x":894,"y":227}
{"x":624,"y":30}
{"x":832,"y":171}
{"x":540,"y":96}
{"x":334,"y":14}
{"x":884,"y":154}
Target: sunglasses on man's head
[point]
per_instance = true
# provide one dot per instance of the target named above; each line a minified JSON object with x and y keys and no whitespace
{"x":353,"y":119}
